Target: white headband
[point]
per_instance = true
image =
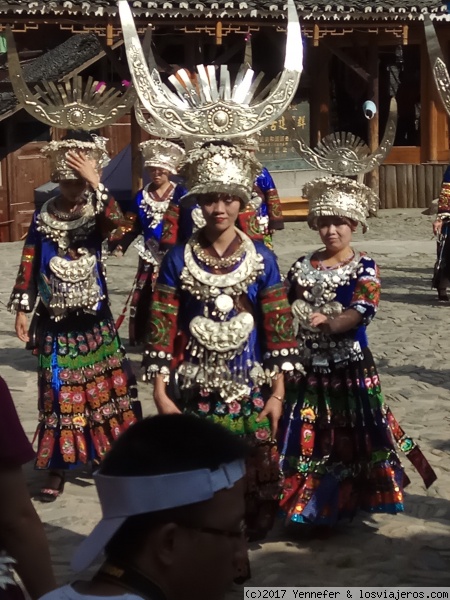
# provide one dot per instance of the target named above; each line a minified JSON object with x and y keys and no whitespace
{"x":123,"y":497}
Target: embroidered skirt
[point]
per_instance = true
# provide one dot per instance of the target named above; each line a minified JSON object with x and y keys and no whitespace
{"x":338,"y":447}
{"x":139,"y":324}
{"x":263,"y":476}
{"x":87,"y":391}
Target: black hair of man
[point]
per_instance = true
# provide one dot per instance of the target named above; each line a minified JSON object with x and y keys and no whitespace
{"x":160,"y":445}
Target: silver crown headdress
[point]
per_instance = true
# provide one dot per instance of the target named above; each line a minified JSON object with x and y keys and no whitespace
{"x":339,"y":197}
{"x":56,"y":152}
{"x":346,"y":154}
{"x":71,"y":105}
{"x":207,"y":108}
{"x":219,"y":168}
{"x":162,"y":154}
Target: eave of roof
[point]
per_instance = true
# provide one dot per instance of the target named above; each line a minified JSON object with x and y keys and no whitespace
{"x":347,"y":10}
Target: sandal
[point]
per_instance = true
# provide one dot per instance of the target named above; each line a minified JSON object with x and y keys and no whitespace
{"x":48,"y":494}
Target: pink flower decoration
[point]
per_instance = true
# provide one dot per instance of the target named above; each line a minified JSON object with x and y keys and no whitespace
{"x":262,"y":434}
{"x":203,"y":407}
{"x":258,"y":402}
{"x":234,"y":407}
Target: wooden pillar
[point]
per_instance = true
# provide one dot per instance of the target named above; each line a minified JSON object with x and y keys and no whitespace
{"x":136,"y":159}
{"x":373,"y":178}
{"x":320,"y":95}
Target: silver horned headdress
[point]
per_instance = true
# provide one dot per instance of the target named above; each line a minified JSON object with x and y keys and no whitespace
{"x":339,"y":197}
{"x":203,"y":106}
{"x":221,"y":169}
{"x":162,"y":154}
{"x":346,"y":154}
{"x":69,"y":105}
{"x":438,"y":66}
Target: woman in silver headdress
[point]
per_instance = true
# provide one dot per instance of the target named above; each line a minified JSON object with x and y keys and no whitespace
{"x":338,"y":440}
{"x":162,"y":159}
{"x":87,"y":392}
{"x":221,"y":328}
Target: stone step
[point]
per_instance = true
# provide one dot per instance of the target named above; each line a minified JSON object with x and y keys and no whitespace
{"x":295,"y":208}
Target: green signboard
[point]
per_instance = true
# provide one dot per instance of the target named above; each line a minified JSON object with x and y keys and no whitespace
{"x":275,"y":147}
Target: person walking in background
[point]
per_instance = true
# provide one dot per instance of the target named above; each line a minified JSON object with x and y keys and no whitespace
{"x":162,"y":159}
{"x":86,"y":390}
{"x":441,"y":228}
{"x":22,"y":535}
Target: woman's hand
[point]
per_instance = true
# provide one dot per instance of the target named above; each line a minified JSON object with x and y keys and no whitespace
{"x":273,"y":410}
{"x":86,"y":168}
{"x":21,"y":327}
{"x":437,"y":227}
{"x":319,"y":320}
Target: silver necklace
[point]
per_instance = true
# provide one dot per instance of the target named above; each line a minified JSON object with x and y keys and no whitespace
{"x":319,"y":286}
{"x":208,"y":286}
{"x":154,"y":209}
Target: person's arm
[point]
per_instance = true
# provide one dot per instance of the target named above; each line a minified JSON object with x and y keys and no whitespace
{"x":281,"y":354}
{"x":159,"y":351}
{"x":274,"y":209}
{"x":25,"y":292}
{"x":22,"y":534}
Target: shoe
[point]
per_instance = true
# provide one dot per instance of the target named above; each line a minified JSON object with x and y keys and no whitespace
{"x":48,"y":494}
{"x":443,"y":297}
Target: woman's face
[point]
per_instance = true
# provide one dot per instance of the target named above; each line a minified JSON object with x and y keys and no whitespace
{"x":336,"y":232}
{"x":220,"y":211}
{"x":72,"y":189}
{"x":159,"y":176}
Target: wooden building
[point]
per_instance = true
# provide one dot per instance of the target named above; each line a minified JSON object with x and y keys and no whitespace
{"x":354,"y":50}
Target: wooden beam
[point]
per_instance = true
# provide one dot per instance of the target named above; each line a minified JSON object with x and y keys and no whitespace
{"x":219,"y":33}
{"x":109,"y":33}
{"x":348,"y":60}
{"x":320,"y":95}
{"x":373,"y":178}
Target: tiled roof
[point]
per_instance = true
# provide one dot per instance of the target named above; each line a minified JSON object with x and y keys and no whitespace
{"x":220,"y":9}
{"x":55,"y":64}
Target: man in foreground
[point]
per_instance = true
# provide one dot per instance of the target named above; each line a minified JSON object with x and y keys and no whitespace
{"x":172,"y":497}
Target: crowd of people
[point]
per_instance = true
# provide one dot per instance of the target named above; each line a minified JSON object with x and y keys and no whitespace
{"x":268,"y":397}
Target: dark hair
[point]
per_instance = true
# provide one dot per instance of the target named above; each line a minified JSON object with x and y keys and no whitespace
{"x":79,"y":135}
{"x":165,"y":444}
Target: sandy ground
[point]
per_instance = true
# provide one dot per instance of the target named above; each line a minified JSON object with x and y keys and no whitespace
{"x":410,"y":342}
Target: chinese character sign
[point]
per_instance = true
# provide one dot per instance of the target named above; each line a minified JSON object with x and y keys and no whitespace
{"x":275,"y":148}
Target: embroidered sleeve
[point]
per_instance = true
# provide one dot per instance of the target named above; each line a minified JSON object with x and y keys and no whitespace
{"x":272,"y":199}
{"x":248,"y":223}
{"x":109,"y":215}
{"x":366,"y":295}
{"x":280,"y":346}
{"x":171,"y":221}
{"x":159,"y":351}
{"x":25,"y":292}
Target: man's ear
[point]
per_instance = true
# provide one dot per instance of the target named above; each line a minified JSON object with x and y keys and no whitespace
{"x":162,"y":544}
